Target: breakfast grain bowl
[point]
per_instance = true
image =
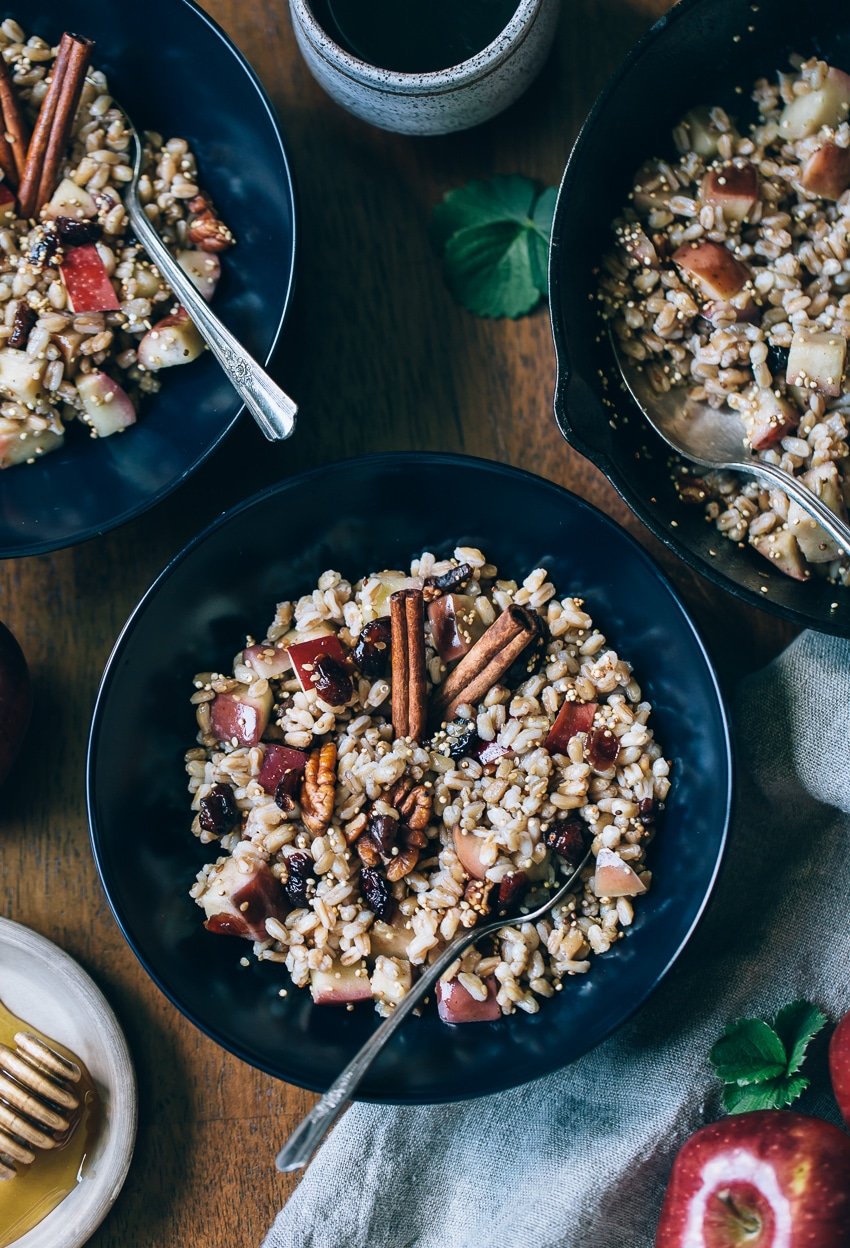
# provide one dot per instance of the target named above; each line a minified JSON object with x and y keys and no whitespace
{"x":86,"y":321}
{"x":730,"y":279}
{"x":398,"y":757}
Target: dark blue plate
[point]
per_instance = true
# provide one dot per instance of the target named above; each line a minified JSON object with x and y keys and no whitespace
{"x":360,"y":516}
{"x":177,"y":73}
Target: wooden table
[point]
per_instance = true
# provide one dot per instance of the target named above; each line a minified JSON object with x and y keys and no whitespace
{"x":380,"y":359}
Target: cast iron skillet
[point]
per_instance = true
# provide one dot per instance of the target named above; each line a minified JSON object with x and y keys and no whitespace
{"x":178,"y":73}
{"x":697,"y":54}
{"x":358,"y":516}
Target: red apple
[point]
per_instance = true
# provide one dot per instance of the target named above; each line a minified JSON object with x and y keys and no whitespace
{"x":839,"y":1066}
{"x":614,"y":877}
{"x":573,"y":717}
{"x":781,"y":548}
{"x":766,"y":1179}
{"x":15,"y":700}
{"x":106,"y":407}
{"x":237,"y":902}
{"x":456,"y":1005}
{"x":827,"y":171}
{"x":343,"y":985}
{"x":322,"y":664}
{"x":239,"y":717}
{"x":86,"y":281}
{"x":771,"y":419}
{"x":173,"y":340}
{"x":280,"y":761}
{"x":734,"y":188}
{"x":268,"y":660}
{"x":713,"y":268}
{"x":455,"y":625}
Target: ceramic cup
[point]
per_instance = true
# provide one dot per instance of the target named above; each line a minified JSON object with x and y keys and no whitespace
{"x":440,"y":101}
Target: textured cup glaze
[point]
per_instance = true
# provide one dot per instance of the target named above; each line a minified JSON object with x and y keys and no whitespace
{"x":456,"y":98}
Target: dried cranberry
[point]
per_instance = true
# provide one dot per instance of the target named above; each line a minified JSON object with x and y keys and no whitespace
{"x":646,"y":810}
{"x":462,"y":738}
{"x":77,"y":233}
{"x":455,"y":578}
{"x":44,"y":248}
{"x":372,"y":651}
{"x":568,"y":839}
{"x":376,"y":893}
{"x":288,"y":787}
{"x":25,"y":318}
{"x":602,"y":749}
{"x":331,"y":681}
{"x":299,"y":867}
{"x":512,"y":887}
{"x":383,"y":830}
{"x":219,"y":812}
{"x":777,"y":359}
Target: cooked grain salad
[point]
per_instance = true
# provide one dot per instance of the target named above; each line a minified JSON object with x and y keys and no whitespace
{"x":86,"y":321}
{"x":399,"y":757}
{"x":731,"y":279}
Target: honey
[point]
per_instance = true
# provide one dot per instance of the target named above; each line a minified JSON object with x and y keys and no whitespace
{"x":37,"y":1188}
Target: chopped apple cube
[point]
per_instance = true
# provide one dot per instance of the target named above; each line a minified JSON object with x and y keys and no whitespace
{"x":281,"y":763}
{"x":204,"y":269}
{"x":240,"y":716}
{"x":173,"y":340}
{"x":713,"y":267}
{"x":734,"y":188}
{"x":456,"y":1005}
{"x":770,"y":420}
{"x":816,"y":361}
{"x":390,"y":939}
{"x":816,"y":546}
{"x":614,"y":877}
{"x":827,"y":171}
{"x":573,"y":717}
{"x":342,"y":985}
{"x":304,"y":654}
{"x":21,"y":375}
{"x":70,"y":200}
{"x":105,"y":405}
{"x":455,"y":625}
{"x":702,"y":132}
{"x":17,"y":450}
{"x":268,"y":659}
{"x":468,"y":848}
{"x":391,"y":979}
{"x":781,"y":548}
{"x":824,"y":481}
{"x":829,"y":105}
{"x":86,"y":281}
{"x":380,"y":588}
{"x":240,"y":894}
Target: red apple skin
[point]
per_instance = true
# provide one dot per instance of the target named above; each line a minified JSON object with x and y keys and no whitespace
{"x":573,"y":717}
{"x":839,"y":1066}
{"x":455,"y":1005}
{"x":782,"y":1170}
{"x":15,"y":700}
{"x":827,"y":171}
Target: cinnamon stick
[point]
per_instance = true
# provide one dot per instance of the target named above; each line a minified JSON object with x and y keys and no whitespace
{"x":409,"y":699}
{"x":54,"y":123}
{"x":484,"y":665}
{"x":14,"y":128}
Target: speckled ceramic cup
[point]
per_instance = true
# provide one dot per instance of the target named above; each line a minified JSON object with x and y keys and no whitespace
{"x":438,"y":102}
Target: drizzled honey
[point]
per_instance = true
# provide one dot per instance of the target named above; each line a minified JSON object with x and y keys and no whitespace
{"x":34,"y":1187}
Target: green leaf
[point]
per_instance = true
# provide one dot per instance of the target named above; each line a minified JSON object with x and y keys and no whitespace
{"x":796,"y":1025}
{"x":749,"y":1051}
{"x":494,"y":239}
{"x":772,"y":1094}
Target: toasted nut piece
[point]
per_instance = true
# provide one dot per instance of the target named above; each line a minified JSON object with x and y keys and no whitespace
{"x":367,"y":851}
{"x":413,"y":803}
{"x":402,"y":864}
{"x":415,"y":837}
{"x":317,"y":788}
{"x":206,"y":229}
{"x":352,"y":830}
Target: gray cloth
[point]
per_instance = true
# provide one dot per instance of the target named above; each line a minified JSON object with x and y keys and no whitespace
{"x":580,"y":1159}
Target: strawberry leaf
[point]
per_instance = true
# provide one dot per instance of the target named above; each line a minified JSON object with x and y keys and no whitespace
{"x":796,"y":1025}
{"x":772,"y":1094}
{"x":749,"y":1051}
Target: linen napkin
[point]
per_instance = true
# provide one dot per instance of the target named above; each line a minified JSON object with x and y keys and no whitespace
{"x":580,"y":1159}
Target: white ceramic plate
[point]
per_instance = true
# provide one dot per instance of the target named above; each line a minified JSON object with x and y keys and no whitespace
{"x":47,"y":988}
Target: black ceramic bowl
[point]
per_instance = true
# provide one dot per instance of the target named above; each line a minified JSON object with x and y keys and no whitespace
{"x":176,"y":72}
{"x":359,"y":516}
{"x":697,"y":54}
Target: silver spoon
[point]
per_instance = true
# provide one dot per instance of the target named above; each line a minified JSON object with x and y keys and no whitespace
{"x":272,"y":409}
{"x":307,"y":1136}
{"x":715,"y":438}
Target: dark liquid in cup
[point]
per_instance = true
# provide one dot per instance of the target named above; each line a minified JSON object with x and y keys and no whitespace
{"x":414,"y":36}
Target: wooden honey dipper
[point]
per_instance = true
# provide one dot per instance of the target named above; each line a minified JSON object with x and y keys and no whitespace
{"x":38,"y":1109}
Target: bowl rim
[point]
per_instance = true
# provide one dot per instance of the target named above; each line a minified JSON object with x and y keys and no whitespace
{"x":151,"y":500}
{"x":396,"y":459}
{"x":564,"y":363}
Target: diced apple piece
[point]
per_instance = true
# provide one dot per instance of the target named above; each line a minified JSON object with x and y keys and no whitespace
{"x":770,"y":420}
{"x":8,"y":204}
{"x":70,"y":200}
{"x":384,"y":585}
{"x":734,"y":188}
{"x":455,"y":625}
{"x":816,"y":546}
{"x":703,"y":134}
{"x":468,"y":848}
{"x":86,"y":280}
{"x":17,"y":450}
{"x":824,"y":481}
{"x":489,"y":754}
{"x":267,"y":659}
{"x":816,"y":361}
{"x":391,"y":979}
{"x":241,"y":893}
{"x":203,"y":268}
{"x":573,"y":717}
{"x":305,"y":653}
{"x":241,"y":717}
{"x":614,"y":877}
{"x":827,"y":106}
{"x":107,"y":408}
{"x":68,"y":341}
{"x":21,"y":375}
{"x":343,"y":985}
{"x":173,"y":340}
{"x":713,"y":267}
{"x":781,"y":548}
{"x":827,"y":171}
{"x":279,"y":762}
{"x":390,"y":939}
{"x":456,"y":1005}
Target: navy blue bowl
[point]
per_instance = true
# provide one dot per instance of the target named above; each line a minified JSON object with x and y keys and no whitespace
{"x":178,"y":73}
{"x":359,"y":516}
{"x":698,"y":53}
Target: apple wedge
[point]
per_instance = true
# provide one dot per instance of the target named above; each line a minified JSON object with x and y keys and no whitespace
{"x":456,"y":1005}
{"x":614,"y":877}
{"x":733,"y":187}
{"x":829,"y":105}
{"x":468,"y":848}
{"x":781,"y":548}
{"x":86,"y":281}
{"x":203,"y":268}
{"x":70,"y":200}
{"x":827,"y":171}
{"x":816,"y":546}
{"x":455,"y":625}
{"x":240,"y":717}
{"x":21,"y":376}
{"x":713,"y":268}
{"x":17,"y":450}
{"x":816,"y":361}
{"x":106,"y":407}
{"x":240,"y":894}
{"x":173,"y":340}
{"x":342,"y":985}
{"x":267,"y":659}
{"x":703,"y":134}
{"x":770,"y":420}
{"x":573,"y":717}
{"x":280,"y":763}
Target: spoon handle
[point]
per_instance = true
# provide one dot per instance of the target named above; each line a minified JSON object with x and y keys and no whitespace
{"x":835,"y":527}
{"x":272,"y":409}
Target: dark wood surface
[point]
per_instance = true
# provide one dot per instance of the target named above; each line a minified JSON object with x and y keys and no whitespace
{"x":380,"y":359}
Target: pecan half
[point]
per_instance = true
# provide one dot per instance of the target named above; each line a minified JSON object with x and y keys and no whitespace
{"x":415,"y":837}
{"x":206,"y":229}
{"x":367,"y":851}
{"x":413,"y":803}
{"x":317,"y":788}
{"x":402,"y":864}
